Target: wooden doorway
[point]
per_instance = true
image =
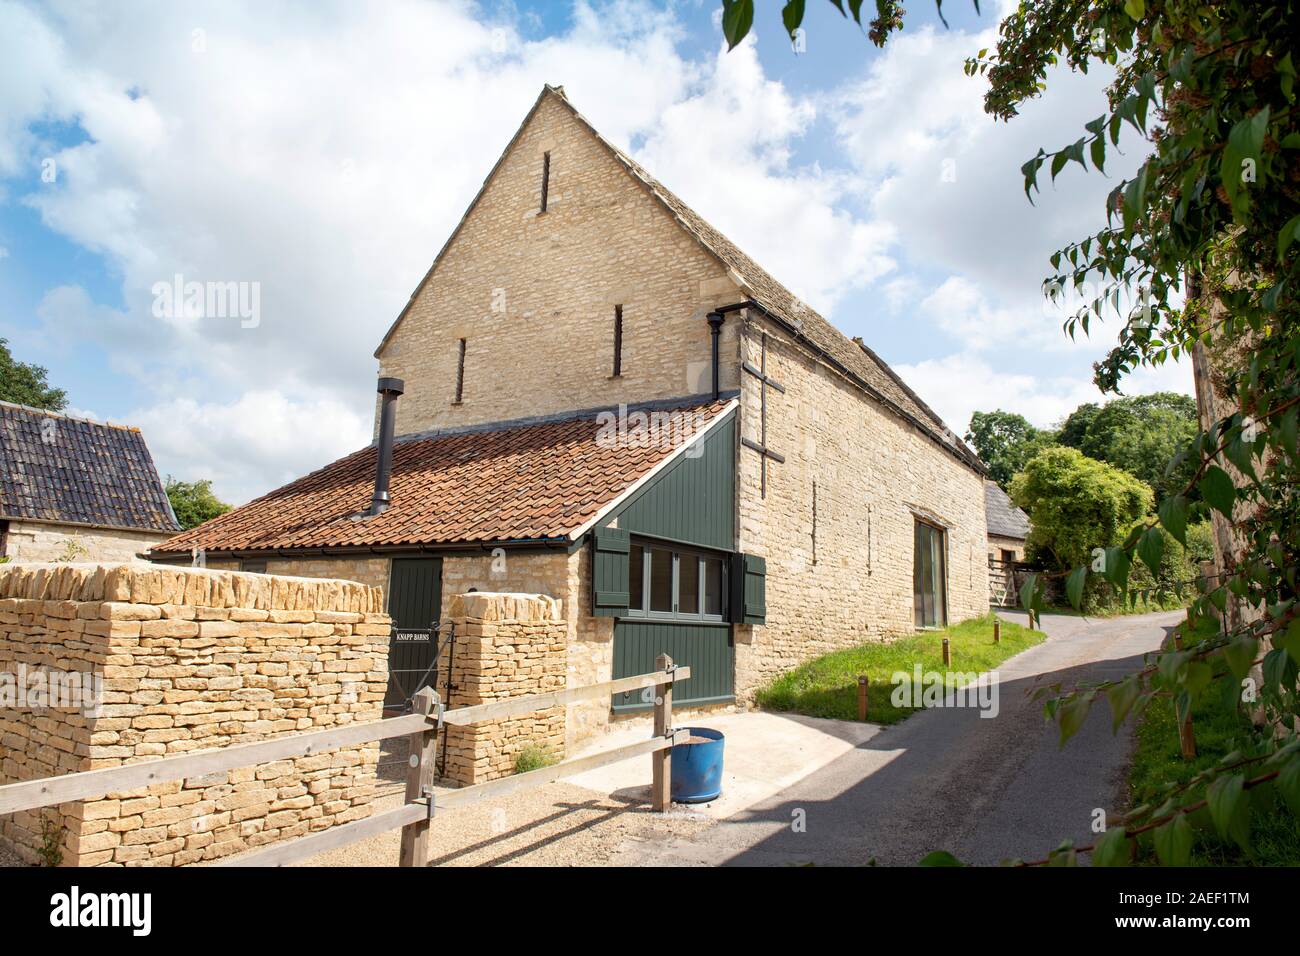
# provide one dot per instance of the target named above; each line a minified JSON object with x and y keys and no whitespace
{"x":415,"y":604}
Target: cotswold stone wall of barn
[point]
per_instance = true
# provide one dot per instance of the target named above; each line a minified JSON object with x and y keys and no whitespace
{"x":843,"y":577}
{"x":189,"y":659}
{"x":372,"y":572}
{"x":40,"y":541}
{"x":533,"y":294}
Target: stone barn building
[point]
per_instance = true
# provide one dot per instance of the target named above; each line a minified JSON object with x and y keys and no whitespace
{"x":77,"y":490}
{"x":597,"y":397}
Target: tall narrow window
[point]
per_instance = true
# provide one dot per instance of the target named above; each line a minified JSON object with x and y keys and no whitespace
{"x":460,"y":372}
{"x":929,"y":576}
{"x":546,"y":178}
{"x":618,"y":340}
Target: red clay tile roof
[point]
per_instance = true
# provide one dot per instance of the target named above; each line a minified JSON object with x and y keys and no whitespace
{"x":536,"y":481}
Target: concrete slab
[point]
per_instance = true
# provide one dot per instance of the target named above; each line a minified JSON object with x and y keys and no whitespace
{"x":764,"y":754}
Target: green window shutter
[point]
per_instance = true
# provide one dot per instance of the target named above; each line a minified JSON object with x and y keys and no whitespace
{"x":609,"y":571}
{"x":748,"y":589}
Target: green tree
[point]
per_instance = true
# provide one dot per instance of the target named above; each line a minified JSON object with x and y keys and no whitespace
{"x":193,"y":501}
{"x":25,"y":384}
{"x":1005,"y":441}
{"x":1075,"y":505}
{"x":1076,"y":424}
{"x":1213,"y":212}
{"x":1143,"y":434}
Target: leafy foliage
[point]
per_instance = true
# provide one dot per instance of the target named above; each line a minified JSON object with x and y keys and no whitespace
{"x":26,"y":384}
{"x":1144,"y":435}
{"x":1076,"y":504}
{"x":1211,"y":90}
{"x":1005,"y":442}
{"x":193,"y":501}
{"x":533,"y":758}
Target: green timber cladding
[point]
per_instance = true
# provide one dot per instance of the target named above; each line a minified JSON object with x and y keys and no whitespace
{"x":689,"y":508}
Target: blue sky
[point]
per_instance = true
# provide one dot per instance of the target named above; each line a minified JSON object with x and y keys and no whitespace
{"x":325,"y":150}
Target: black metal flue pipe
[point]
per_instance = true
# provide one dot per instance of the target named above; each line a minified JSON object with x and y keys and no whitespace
{"x":390,"y":389}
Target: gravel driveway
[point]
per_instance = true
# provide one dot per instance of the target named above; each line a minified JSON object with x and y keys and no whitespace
{"x":554,"y":825}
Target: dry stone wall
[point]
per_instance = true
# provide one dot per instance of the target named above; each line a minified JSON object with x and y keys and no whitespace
{"x":189,"y":659}
{"x":507,"y":645}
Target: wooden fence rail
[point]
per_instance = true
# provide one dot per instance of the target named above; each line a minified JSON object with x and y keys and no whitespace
{"x":421,"y":804}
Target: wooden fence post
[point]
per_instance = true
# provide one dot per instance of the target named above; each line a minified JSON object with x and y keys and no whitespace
{"x":423,"y":747}
{"x":862,"y":697}
{"x":661,"y":761}
{"x":947,"y":653}
{"x":997,"y":631}
{"x":1186,"y":736}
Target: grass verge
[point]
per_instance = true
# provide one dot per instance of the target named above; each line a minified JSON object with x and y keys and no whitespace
{"x":827,"y":686}
{"x":1219,"y":729}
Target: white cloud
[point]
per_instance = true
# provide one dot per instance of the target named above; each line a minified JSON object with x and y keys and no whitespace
{"x":960,"y":307}
{"x":321,"y":151}
{"x":254,"y":441}
{"x":726,"y":149}
{"x":944,"y":178}
{"x":959,"y":384}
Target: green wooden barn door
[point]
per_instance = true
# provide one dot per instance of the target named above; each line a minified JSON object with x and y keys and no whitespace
{"x":415,"y":604}
{"x":706,"y":648}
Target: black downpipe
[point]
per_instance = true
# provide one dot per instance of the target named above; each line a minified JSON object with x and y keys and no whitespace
{"x":390,"y":388}
{"x":715,"y":329}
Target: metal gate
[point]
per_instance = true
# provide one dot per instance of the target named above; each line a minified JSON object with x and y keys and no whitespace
{"x":416,"y":645}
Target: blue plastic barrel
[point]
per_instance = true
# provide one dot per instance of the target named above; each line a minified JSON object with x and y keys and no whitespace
{"x":697,"y":767}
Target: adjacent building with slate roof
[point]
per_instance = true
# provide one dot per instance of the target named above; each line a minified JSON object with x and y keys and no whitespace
{"x":1008,"y":525}
{"x":604,"y":400}
{"x":77,"y":490}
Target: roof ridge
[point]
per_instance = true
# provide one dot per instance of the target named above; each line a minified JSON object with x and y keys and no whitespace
{"x":580,"y":414}
{"x":70,"y":418}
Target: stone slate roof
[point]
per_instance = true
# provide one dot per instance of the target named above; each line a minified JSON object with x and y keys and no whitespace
{"x":850,"y":356}
{"x":73,"y":471}
{"x":542,"y":481}
{"x":1004,"y":519}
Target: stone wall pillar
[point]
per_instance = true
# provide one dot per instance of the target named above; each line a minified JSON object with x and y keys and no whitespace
{"x":506,"y":645}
